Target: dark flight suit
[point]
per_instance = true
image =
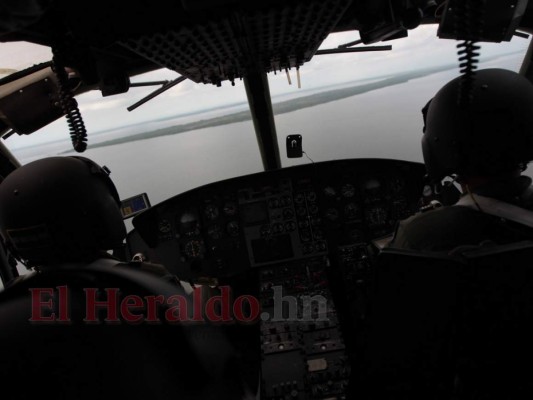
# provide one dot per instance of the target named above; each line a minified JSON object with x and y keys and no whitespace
{"x":445,"y":228}
{"x":441,"y":230}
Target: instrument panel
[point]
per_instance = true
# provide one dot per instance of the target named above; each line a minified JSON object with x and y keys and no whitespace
{"x":225,"y":228}
{"x":294,"y":236}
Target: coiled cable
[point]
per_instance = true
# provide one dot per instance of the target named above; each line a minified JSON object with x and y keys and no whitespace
{"x":69,"y":105}
{"x":469,"y":28}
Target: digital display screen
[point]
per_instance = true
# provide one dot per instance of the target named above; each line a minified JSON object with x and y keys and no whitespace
{"x":134,"y":205}
{"x":254,"y":213}
{"x":272,"y":249}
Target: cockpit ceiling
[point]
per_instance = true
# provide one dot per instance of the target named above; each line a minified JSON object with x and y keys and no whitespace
{"x":223,"y":49}
{"x":207,"y":41}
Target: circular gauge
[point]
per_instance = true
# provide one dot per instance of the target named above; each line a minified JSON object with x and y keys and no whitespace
{"x":273,"y":203}
{"x":214,"y":232}
{"x":376,"y":216}
{"x":321,"y":246}
{"x":304,"y":223}
{"x":230,"y":208}
{"x":278,"y":228}
{"x":311,"y":196}
{"x":308,"y":248}
{"x":305,"y":235}
{"x":351,"y":210}
{"x":299,"y":198}
{"x":329,"y":191}
{"x":164,"y":226}
{"x":211,"y":212}
{"x":265,"y":231}
{"x":233,"y":228}
{"x":193,"y":249}
{"x":290,"y":226}
{"x":288,"y":213}
{"x":318,"y":234}
{"x":348,"y":190}
{"x":397,"y":185}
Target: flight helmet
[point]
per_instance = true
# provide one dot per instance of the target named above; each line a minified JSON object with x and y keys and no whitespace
{"x":60,"y":209}
{"x":486,"y":135}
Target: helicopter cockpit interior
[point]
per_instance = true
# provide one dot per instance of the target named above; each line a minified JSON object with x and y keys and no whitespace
{"x":330,"y":312}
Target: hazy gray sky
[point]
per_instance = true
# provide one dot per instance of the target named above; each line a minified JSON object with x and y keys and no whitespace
{"x":421,"y":49}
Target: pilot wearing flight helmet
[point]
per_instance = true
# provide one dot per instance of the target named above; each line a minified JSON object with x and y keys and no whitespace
{"x":485,"y":143}
{"x":64,"y":211}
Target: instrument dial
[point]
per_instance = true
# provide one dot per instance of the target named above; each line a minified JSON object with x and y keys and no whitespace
{"x":164,"y":226}
{"x":299,"y":198}
{"x":288,"y":213}
{"x":376,"y":216}
{"x":351,"y":210}
{"x":265,"y":230}
{"x":233,"y":228}
{"x":211,"y":212}
{"x":194,"y":249}
{"x":273,"y":203}
{"x":230,"y":208}
{"x":311,"y":196}
{"x":397,"y":185}
{"x":348,"y":190}
{"x":330,"y":191}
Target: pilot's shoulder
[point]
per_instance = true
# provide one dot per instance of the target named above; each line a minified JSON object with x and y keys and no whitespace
{"x":432,"y":225}
{"x":436,"y":212}
{"x":434,"y":205}
{"x":431,"y":206}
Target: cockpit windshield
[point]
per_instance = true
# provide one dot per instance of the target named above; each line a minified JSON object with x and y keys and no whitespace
{"x":359,"y":105}
{"x":353,"y":105}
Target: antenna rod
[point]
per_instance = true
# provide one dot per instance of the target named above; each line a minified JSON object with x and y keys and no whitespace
{"x":157,"y":92}
{"x":353,"y":50}
{"x":288,"y":76}
{"x":350,"y":44}
{"x":153,"y":83}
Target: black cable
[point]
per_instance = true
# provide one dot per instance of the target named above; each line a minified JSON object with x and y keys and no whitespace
{"x":308,"y":157}
{"x":469,"y":28}
{"x":69,"y":105}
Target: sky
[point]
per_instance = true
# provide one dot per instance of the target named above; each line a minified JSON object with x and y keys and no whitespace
{"x":421,"y":49}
